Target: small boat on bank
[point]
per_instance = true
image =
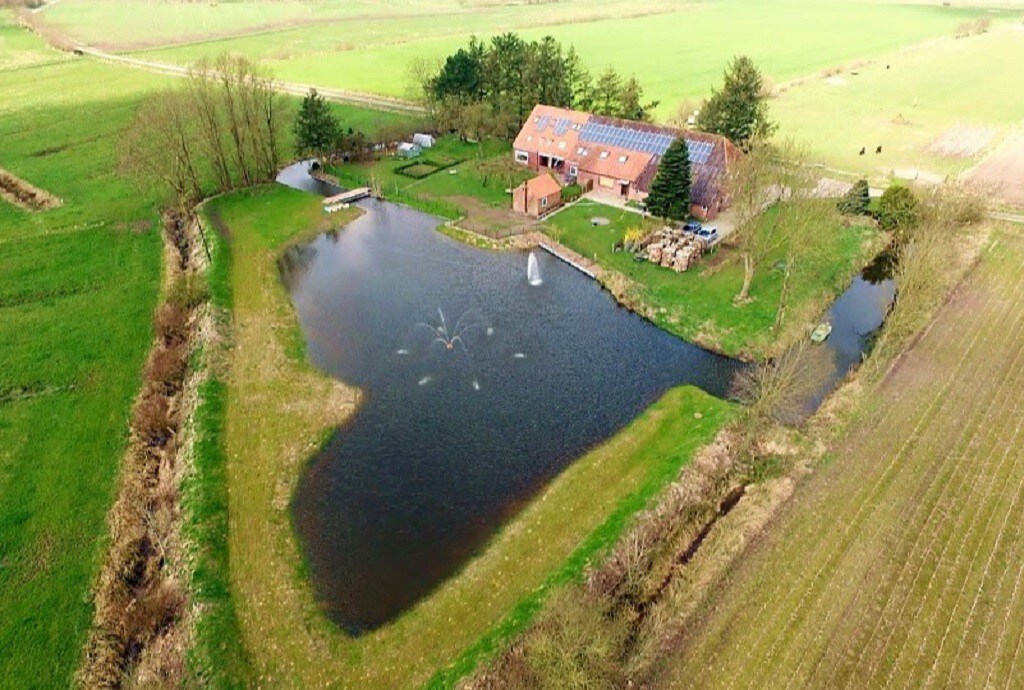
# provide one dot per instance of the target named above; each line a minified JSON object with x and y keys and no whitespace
{"x":820,"y":332}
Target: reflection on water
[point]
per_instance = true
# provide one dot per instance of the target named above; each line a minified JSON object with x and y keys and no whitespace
{"x":855,"y":317}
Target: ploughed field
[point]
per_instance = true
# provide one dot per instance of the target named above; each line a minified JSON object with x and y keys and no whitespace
{"x":901,"y":563}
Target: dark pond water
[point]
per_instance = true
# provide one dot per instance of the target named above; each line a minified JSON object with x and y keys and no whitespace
{"x":449,"y":443}
{"x":855,"y":316}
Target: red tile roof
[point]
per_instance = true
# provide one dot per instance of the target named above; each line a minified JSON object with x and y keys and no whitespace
{"x":542,"y":134}
{"x":542,"y":185}
{"x":539,"y":132}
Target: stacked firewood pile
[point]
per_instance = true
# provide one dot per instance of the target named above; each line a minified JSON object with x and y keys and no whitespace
{"x":672,"y":248}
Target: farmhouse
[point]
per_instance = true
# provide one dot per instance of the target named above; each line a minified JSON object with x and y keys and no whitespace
{"x":537,"y":196}
{"x":621,"y":157}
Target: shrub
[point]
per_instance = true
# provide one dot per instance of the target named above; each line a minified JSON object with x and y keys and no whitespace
{"x":956,"y":203}
{"x":898,"y":209}
{"x":571,"y":192}
{"x":856,"y":201}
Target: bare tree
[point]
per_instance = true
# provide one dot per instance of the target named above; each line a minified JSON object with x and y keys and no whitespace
{"x":776,"y":391}
{"x":206,"y":100}
{"x":768,"y":174}
{"x":159,"y":146}
{"x":223,"y":128}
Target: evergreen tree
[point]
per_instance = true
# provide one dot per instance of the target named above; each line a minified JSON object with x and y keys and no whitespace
{"x":669,"y":197}
{"x":855,"y":202}
{"x":578,"y":81}
{"x":462,"y":74}
{"x":739,"y":111}
{"x":631,"y":105}
{"x":608,"y":93}
{"x":898,"y":210}
{"x":316,"y":129}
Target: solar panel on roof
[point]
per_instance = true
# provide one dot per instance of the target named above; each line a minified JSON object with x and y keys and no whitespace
{"x":654,"y":143}
{"x":562,"y":126}
{"x":700,"y":151}
{"x":543,"y":122}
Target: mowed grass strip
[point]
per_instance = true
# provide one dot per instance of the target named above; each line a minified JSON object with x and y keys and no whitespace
{"x":279,"y":410}
{"x":900,"y":562}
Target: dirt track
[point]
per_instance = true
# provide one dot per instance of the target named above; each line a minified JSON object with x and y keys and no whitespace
{"x":1004,"y":169}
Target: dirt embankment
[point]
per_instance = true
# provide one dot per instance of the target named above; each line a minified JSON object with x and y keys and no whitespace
{"x":24,"y":195}
{"x":1003,"y":171}
{"x":141,"y":626}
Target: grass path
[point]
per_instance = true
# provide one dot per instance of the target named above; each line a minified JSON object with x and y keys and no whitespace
{"x":900,"y":563}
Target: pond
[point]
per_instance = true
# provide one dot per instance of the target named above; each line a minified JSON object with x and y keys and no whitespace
{"x":479,"y":386}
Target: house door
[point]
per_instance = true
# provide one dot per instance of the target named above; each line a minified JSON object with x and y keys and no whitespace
{"x":624,"y":189}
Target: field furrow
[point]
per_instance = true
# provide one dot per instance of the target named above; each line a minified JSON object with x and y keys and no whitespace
{"x":900,"y":563}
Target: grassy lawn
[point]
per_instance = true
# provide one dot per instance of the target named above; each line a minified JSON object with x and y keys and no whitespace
{"x":279,"y":410}
{"x":77,"y":288}
{"x":676,"y":55}
{"x":448,"y":192}
{"x":698,"y":305}
{"x":906,"y":101}
{"x":902,"y":561}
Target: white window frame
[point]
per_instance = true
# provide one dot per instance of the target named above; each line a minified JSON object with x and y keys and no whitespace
{"x":543,"y":202}
{"x":522,"y":156}
{"x":574,"y":170}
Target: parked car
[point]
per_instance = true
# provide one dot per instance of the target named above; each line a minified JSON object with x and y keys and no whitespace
{"x":709,"y":235}
{"x":692,"y":226}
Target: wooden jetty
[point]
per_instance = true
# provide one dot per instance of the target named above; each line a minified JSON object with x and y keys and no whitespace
{"x":568,"y":256}
{"x":333,"y":203}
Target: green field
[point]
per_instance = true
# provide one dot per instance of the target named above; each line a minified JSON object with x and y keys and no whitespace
{"x":277,"y":413}
{"x":900,"y":563}
{"x":676,"y":55}
{"x":698,"y":304}
{"x":77,"y":288}
{"x":935,"y":83}
{"x":905,"y":102}
{"x":18,"y":48}
{"x":303,"y":27}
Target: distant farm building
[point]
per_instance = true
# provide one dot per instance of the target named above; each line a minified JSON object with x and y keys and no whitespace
{"x":621,"y":157}
{"x":407,"y":150}
{"x":424,"y":141}
{"x":537,"y":196}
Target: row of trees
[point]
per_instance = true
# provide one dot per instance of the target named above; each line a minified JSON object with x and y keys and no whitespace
{"x":222,"y":130}
{"x":490,"y":88}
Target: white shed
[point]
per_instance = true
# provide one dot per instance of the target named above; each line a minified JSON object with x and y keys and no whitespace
{"x":423,"y":140}
{"x":407,"y":150}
